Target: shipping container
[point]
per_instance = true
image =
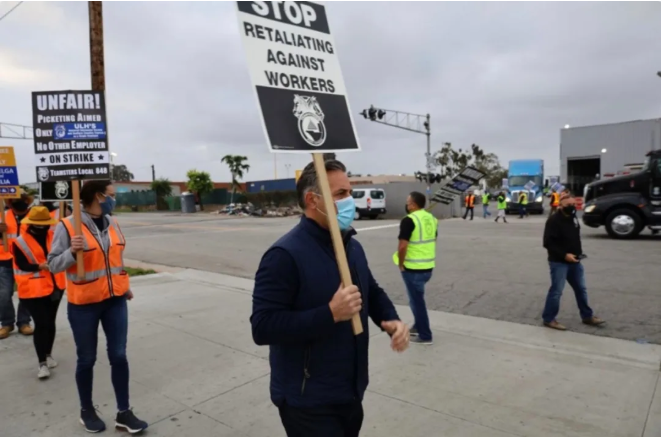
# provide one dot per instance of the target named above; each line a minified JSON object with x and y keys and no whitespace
{"x":592,"y":152}
{"x":271,"y":185}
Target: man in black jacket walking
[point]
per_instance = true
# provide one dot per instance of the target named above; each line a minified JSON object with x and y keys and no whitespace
{"x":300,"y":309}
{"x":562,"y":240}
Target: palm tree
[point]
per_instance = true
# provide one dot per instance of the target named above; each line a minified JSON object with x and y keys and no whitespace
{"x":163,"y":188}
{"x":237,"y":166}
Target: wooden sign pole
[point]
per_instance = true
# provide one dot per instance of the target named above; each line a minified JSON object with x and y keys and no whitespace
{"x":78,"y":227}
{"x":2,"y":217}
{"x":63,"y":210}
{"x":336,"y":235}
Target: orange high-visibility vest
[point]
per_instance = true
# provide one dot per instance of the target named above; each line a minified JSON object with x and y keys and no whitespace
{"x":12,"y":234}
{"x":555,"y":199}
{"x":105,"y":276}
{"x":470,"y":201}
{"x":41,"y":283}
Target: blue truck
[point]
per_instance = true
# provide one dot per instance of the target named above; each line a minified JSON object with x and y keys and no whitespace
{"x":519,"y":173}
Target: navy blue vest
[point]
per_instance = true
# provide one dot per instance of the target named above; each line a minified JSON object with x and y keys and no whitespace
{"x":334,"y":369}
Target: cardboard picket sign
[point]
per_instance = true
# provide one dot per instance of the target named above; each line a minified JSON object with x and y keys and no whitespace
{"x":300,"y":92}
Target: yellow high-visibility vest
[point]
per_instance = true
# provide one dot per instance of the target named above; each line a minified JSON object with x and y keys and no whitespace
{"x":421,"y":251}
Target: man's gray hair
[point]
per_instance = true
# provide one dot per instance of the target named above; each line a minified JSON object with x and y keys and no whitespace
{"x":308,"y":180}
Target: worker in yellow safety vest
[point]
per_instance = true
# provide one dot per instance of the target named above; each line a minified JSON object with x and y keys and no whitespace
{"x":416,"y":259}
{"x":523,"y":203}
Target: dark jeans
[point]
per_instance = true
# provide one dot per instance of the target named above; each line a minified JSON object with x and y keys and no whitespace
{"x":7,"y":313}
{"x":575,"y":275}
{"x":471,"y":210}
{"x":44,"y":312}
{"x":84,"y":320}
{"x":522,"y":211}
{"x":332,"y":421}
{"x":485,"y":211}
{"x":415,"y":287}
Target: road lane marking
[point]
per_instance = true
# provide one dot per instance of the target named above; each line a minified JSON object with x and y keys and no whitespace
{"x":374,"y":228}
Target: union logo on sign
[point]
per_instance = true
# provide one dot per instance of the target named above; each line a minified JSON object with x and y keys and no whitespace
{"x":310,"y":120}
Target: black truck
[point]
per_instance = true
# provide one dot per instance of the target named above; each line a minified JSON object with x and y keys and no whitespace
{"x":626,"y":204}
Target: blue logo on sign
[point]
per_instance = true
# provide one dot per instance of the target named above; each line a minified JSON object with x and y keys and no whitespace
{"x":60,"y":131}
{"x":80,"y":131}
{"x":8,"y":176}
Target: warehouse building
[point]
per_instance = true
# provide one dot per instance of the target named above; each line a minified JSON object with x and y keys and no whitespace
{"x":594,"y":152}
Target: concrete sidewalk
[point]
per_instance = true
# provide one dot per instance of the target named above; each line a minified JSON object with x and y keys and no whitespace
{"x":196,"y":372}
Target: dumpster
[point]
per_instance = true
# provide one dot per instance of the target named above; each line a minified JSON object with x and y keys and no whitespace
{"x":188,"y":202}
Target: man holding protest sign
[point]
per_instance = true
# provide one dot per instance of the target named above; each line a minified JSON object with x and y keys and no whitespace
{"x":319,"y":369}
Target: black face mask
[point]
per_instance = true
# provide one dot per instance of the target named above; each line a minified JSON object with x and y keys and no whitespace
{"x":19,"y":206}
{"x":38,"y":230}
{"x":569,"y":210}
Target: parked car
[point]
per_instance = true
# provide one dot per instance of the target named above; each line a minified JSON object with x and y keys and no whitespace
{"x":370,"y":202}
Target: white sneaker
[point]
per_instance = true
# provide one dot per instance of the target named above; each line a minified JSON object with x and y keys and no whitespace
{"x":43,"y":372}
{"x":50,"y":362}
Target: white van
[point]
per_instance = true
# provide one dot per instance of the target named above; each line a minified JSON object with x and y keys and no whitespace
{"x":370,"y":202}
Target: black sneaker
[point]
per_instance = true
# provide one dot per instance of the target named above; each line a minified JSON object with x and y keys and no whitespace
{"x":418,"y":340}
{"x":413,"y":332}
{"x":127,"y":421}
{"x":91,"y":421}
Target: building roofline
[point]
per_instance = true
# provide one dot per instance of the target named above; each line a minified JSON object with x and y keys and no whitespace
{"x":610,"y":124}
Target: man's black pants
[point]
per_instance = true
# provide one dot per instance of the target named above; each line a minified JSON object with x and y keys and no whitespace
{"x":467,"y":211}
{"x":332,"y":421}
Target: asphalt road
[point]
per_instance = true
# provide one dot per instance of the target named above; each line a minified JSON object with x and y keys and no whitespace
{"x":496,"y":271}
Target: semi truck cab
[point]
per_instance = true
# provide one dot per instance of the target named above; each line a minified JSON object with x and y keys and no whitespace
{"x":519,"y":173}
{"x":626,"y":204}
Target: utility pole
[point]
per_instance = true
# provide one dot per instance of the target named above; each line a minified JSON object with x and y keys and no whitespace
{"x":96,"y":46}
{"x":153,"y":173}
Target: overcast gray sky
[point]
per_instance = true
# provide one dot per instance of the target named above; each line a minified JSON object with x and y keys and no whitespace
{"x":506,"y":76}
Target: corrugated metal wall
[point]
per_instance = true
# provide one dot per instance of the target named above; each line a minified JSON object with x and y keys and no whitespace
{"x":625,"y":143}
{"x":271,"y":185}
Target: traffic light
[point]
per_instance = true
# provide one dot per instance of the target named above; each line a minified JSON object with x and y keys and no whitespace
{"x":372,"y":113}
{"x":420,"y":176}
{"x":435,"y":178}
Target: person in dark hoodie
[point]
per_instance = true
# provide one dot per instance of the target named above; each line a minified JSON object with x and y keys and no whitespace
{"x":319,"y":370}
{"x":562,"y":240}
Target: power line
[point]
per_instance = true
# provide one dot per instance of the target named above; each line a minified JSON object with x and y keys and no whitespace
{"x":11,"y":10}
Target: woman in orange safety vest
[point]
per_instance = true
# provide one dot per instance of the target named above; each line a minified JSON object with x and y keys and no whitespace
{"x":470,"y":204}
{"x":97,"y":298}
{"x":39,"y":290}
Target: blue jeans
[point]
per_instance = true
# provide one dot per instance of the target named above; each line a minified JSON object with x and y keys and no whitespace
{"x":84,"y":321}
{"x":575,"y":275}
{"x":415,"y":287}
{"x":7,"y":313}
{"x":485,"y":211}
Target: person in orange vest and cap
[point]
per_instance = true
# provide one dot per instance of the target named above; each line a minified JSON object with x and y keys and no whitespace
{"x":18,"y":209}
{"x":39,"y":290}
{"x":98,"y":298}
{"x":470,"y":204}
{"x":555,"y":202}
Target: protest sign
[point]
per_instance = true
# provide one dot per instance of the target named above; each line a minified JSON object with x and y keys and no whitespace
{"x":297,"y":78}
{"x":9,"y":185}
{"x":300,"y":92}
{"x":468,"y":177}
{"x":70,"y":135}
{"x":60,"y":191}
